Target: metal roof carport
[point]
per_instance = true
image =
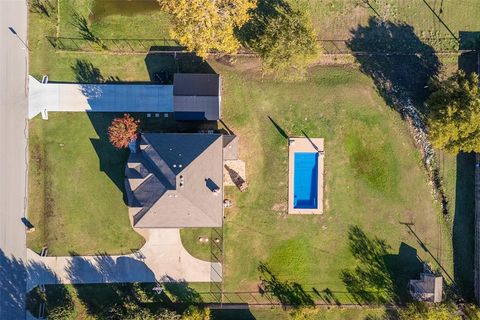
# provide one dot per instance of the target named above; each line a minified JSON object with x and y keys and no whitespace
{"x":74,"y":97}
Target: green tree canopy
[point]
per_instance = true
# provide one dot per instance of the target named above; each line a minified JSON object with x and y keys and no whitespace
{"x":283,"y":37}
{"x":204,"y":25}
{"x":454,"y":113}
{"x":195,"y":313}
{"x":422,"y":311}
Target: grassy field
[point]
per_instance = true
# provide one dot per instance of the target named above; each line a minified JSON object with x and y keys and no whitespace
{"x":374,"y":180}
{"x":76,"y":187}
{"x":333,"y":19}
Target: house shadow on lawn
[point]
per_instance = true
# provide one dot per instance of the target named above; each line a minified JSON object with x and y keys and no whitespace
{"x":399,"y":63}
{"x":379,"y":276}
{"x":464,"y":225}
{"x":112,"y":161}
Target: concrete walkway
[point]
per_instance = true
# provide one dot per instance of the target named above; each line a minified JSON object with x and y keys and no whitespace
{"x":76,"y":97}
{"x":163,"y":258}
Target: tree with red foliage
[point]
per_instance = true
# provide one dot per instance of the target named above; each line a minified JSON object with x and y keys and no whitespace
{"x":123,"y":130}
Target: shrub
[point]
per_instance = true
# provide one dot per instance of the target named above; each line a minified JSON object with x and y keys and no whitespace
{"x":123,"y":130}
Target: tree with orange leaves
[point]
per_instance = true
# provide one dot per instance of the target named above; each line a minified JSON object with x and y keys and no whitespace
{"x":123,"y":130}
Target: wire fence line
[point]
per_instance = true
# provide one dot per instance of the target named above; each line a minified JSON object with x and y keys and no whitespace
{"x":163,"y":45}
{"x":264,"y":298}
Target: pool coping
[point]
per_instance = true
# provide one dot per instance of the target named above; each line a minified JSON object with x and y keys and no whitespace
{"x":305,"y":144}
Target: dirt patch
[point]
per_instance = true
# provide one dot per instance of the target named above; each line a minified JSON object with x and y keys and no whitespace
{"x":280,"y":207}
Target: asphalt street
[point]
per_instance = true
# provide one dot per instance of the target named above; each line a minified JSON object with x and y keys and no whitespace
{"x":13,"y":114}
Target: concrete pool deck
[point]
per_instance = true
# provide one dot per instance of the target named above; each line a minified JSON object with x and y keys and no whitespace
{"x":304,"y":144}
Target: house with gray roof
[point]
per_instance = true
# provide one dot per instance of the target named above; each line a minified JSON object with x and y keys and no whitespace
{"x":197,"y":96}
{"x":175,"y":180}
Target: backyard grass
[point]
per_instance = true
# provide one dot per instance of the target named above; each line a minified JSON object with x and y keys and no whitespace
{"x":374,"y":180}
{"x":75,"y":187}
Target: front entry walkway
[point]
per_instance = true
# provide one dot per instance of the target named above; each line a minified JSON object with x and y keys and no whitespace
{"x":77,"y":97}
{"x":163,"y":258}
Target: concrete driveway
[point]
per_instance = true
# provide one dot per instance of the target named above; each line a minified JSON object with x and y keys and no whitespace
{"x":163,"y":258}
{"x":77,"y":97}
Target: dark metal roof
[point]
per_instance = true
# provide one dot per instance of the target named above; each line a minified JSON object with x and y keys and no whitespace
{"x":196,"y":84}
{"x":196,"y":107}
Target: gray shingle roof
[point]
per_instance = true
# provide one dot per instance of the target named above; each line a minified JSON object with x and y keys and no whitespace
{"x":176,"y":180}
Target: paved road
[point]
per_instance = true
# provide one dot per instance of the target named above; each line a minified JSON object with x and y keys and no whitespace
{"x":13,"y":112}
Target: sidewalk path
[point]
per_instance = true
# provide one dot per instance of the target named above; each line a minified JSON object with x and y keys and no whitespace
{"x":163,"y":258}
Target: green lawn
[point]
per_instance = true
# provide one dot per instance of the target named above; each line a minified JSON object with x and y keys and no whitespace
{"x":76,"y":187}
{"x":130,"y":19}
{"x":374,"y":180}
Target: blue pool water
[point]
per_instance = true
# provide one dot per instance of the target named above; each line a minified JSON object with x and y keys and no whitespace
{"x":305,"y":180}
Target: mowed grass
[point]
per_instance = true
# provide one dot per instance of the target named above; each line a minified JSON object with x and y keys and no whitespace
{"x":373,"y":179}
{"x":140,"y":19}
{"x":333,"y":19}
{"x":75,"y":187}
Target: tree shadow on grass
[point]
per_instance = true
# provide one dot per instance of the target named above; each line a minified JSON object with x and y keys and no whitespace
{"x":379,"y":276}
{"x":17,"y":277}
{"x":180,"y":291}
{"x":289,"y":294}
{"x":115,"y":288}
{"x":464,"y":225}
{"x":399,"y":63}
{"x":468,"y":61}
{"x":56,"y":298}
{"x":162,"y":66}
{"x":86,"y":72}
{"x":81,"y":24}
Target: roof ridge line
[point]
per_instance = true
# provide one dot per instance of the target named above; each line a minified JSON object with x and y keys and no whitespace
{"x":186,"y":198}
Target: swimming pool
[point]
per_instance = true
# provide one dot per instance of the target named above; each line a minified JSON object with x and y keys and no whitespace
{"x":305,"y":180}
